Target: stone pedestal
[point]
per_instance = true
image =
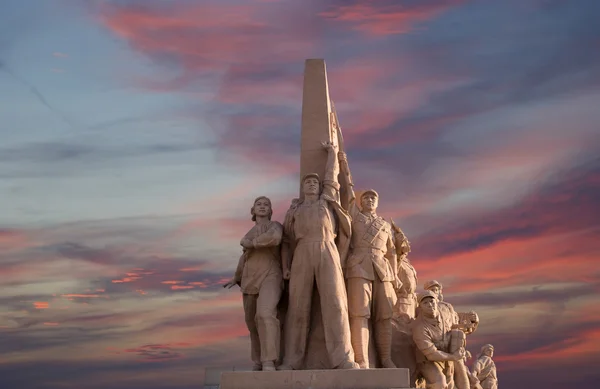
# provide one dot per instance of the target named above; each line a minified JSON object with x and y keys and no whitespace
{"x":317,"y":379}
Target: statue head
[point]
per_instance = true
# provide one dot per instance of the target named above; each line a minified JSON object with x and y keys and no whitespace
{"x":487,"y":349}
{"x":311,"y":184}
{"x":428,"y":303}
{"x":435,"y":287}
{"x":262,"y":208}
{"x":369,"y":200}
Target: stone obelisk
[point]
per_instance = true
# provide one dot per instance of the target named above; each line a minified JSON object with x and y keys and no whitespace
{"x":316,"y":119}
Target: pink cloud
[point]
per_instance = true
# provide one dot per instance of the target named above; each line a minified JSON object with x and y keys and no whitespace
{"x":171,"y":282}
{"x":209,"y":38}
{"x":13,"y":239}
{"x":378,"y":20}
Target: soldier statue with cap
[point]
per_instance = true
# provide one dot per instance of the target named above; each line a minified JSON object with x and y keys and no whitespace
{"x":467,"y":322}
{"x":371,"y":275}
{"x":438,"y":346}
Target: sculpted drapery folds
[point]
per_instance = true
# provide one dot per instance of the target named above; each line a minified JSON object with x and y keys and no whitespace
{"x":315,"y":245}
{"x":259,"y":275}
{"x":371,"y":275}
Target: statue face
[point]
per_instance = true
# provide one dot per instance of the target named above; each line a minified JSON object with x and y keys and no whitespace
{"x":489,"y":352}
{"x":436,"y":290}
{"x":310,"y":186}
{"x":262,"y":207}
{"x":429,"y":306}
{"x":369,"y":202}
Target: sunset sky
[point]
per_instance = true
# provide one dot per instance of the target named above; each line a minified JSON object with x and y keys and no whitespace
{"x":135,"y":135}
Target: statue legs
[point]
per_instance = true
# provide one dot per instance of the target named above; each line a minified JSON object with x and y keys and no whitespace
{"x":359,"y":309}
{"x":334,"y":307}
{"x":359,"y":330}
{"x":384,"y":299}
{"x":297,"y":321}
{"x":249,"y":301}
{"x":261,"y":318}
{"x":317,"y":262}
{"x":366,"y":297}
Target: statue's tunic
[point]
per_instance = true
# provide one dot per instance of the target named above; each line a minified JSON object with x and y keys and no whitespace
{"x":311,"y":231}
{"x":485,"y":370}
{"x":407,"y":298}
{"x":260,"y":278}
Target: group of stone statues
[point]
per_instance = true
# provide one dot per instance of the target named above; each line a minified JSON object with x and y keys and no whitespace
{"x":335,"y":281}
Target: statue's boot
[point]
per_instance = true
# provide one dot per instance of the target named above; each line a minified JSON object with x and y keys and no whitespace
{"x":383,"y":340}
{"x":359,"y":336}
{"x":268,"y":366}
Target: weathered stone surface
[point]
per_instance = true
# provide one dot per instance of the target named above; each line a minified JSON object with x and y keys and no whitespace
{"x":317,"y":379}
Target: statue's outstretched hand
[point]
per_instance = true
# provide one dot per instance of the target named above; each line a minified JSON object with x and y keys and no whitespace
{"x":229,"y":284}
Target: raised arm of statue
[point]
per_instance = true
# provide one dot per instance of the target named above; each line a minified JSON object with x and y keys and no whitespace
{"x":345,"y":170}
{"x":331,"y":185}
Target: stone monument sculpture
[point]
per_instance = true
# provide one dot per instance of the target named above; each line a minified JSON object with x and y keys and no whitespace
{"x":259,"y":275}
{"x":467,"y":322}
{"x":310,"y":232}
{"x":438,"y":345}
{"x":485,"y":368}
{"x":371,"y":276}
{"x":342,"y":275}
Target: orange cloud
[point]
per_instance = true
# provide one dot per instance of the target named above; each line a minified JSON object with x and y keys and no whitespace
{"x":179,"y":287}
{"x":188,"y":269}
{"x":75,"y":295}
{"x":41,"y":305}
